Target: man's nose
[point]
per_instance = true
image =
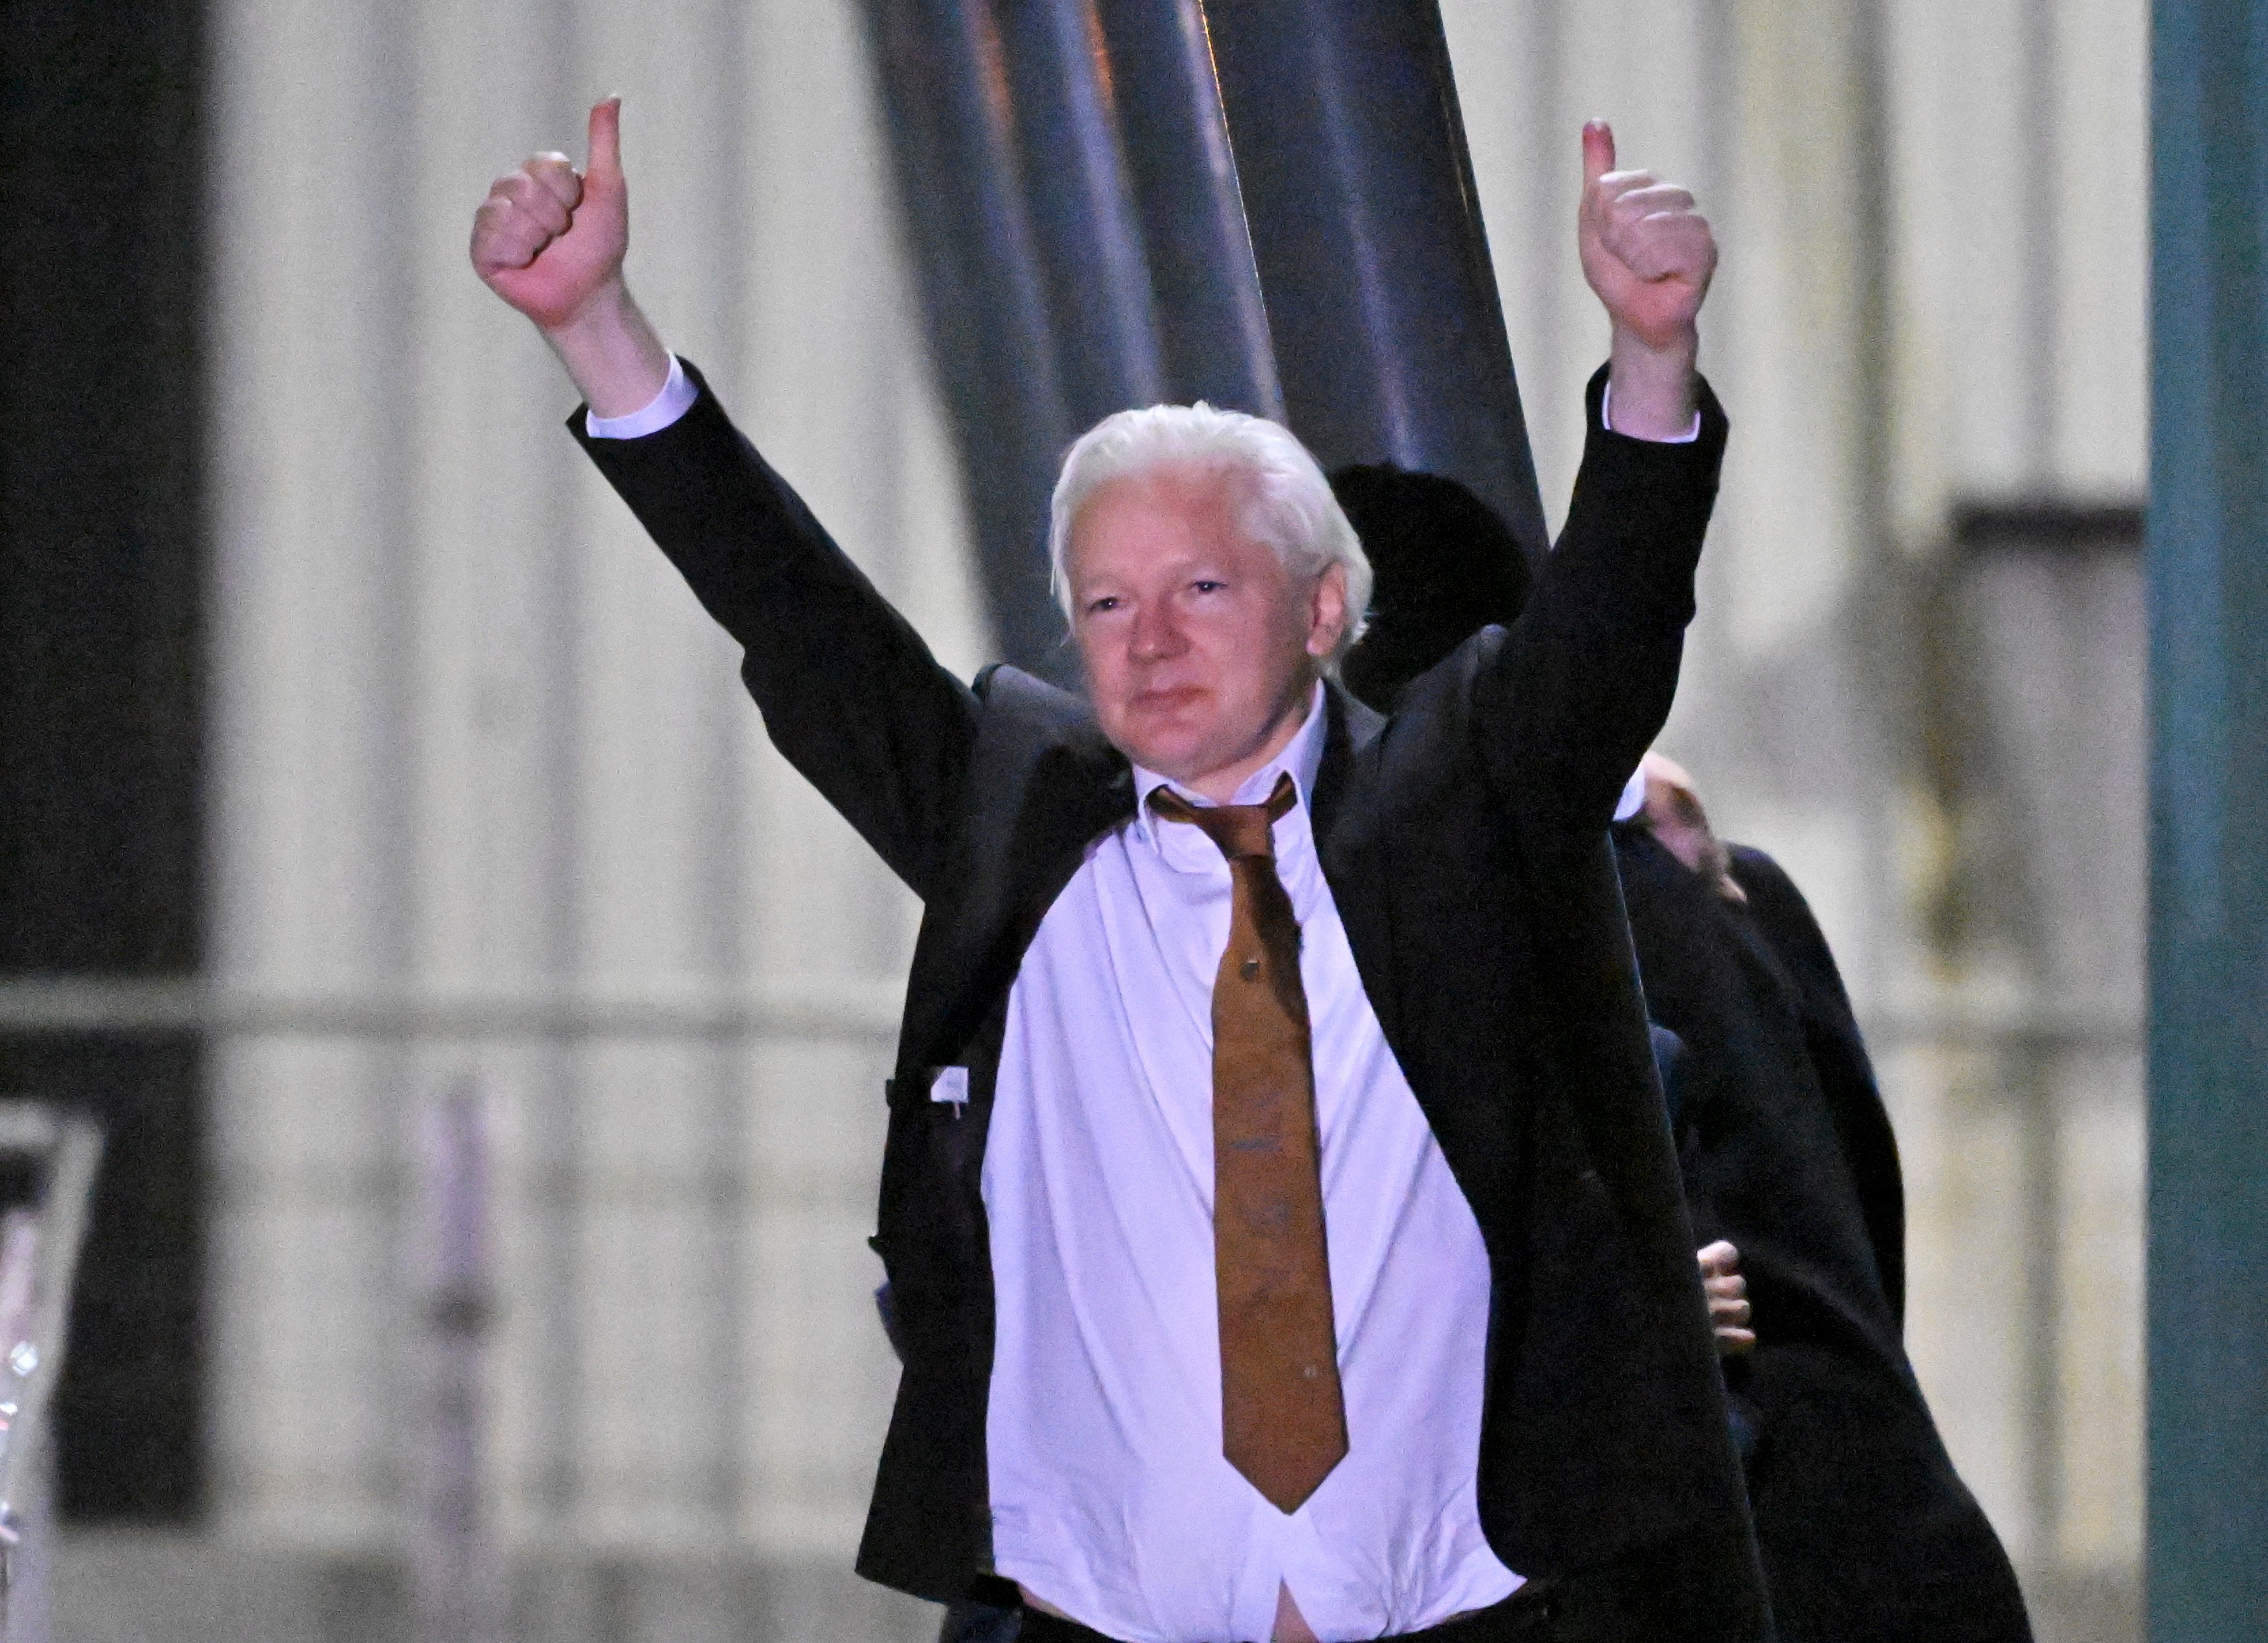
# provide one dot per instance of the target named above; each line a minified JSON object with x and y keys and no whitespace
{"x":1157,"y":635}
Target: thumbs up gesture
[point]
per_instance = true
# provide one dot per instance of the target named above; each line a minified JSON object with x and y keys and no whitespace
{"x":549,"y":239}
{"x":1646,"y":251}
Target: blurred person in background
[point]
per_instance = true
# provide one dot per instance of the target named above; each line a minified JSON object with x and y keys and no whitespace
{"x":1282,"y":1231}
{"x":1867,"y":1534}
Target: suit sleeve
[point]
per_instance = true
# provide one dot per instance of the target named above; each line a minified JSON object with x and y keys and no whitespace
{"x":850,"y":693}
{"x":1781,"y":915}
{"x":1579,"y":688}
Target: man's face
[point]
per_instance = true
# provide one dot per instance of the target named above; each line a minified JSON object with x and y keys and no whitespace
{"x":1200,"y":646}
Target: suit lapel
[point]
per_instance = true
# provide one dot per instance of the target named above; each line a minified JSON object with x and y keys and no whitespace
{"x":1353,"y":835}
{"x":1044,"y":784}
{"x":1347,"y":842}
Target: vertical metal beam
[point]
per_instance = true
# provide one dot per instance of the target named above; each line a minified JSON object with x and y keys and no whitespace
{"x":1100,"y":192}
{"x":948,"y":99}
{"x":2208,"y":581}
{"x":1213,"y":324}
{"x":458,"y":1562}
{"x":1381,"y":300}
{"x":1072,"y":209}
{"x":1081,"y":204}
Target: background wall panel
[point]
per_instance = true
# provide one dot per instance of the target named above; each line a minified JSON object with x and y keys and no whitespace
{"x":478,"y":750}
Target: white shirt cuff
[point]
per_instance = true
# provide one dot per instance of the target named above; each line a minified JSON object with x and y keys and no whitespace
{"x":1633,"y":798}
{"x":676,"y":398}
{"x":1607,"y":419}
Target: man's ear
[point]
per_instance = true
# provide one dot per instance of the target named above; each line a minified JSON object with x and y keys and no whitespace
{"x":1327,"y":611}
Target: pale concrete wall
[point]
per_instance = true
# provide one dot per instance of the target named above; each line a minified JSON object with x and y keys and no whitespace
{"x":475,"y":740}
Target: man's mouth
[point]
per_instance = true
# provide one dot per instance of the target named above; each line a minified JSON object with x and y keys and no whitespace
{"x":1169,"y":699}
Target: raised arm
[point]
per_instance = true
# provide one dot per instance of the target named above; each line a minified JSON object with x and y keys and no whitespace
{"x":1582,"y":683}
{"x":850,"y":693}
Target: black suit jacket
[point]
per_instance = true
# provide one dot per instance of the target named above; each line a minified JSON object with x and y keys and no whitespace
{"x":1867,"y":1534}
{"x":1464,"y":840}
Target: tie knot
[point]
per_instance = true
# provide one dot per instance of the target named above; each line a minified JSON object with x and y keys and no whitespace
{"x":1239,"y":830}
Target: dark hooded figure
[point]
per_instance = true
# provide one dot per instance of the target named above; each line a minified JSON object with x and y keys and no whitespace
{"x":1867,"y":1534}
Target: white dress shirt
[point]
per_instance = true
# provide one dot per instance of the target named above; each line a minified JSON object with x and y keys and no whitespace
{"x":1110,"y":1498}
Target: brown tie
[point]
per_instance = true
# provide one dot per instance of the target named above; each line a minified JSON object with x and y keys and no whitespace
{"x":1283,"y":1420}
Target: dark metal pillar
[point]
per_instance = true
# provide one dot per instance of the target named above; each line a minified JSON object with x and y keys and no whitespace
{"x":1081,"y":201}
{"x":1270,"y":207}
{"x":2208,"y":583}
{"x":1213,"y":324}
{"x":1350,"y":152}
{"x":1074,"y":213}
{"x":953,"y":127}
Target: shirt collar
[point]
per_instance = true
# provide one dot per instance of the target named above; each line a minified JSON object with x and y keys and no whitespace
{"x":1633,"y":798}
{"x":1301,"y":757}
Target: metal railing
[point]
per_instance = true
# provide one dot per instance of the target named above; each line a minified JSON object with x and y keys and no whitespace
{"x":458,"y":1562}
{"x":387,"y":1010}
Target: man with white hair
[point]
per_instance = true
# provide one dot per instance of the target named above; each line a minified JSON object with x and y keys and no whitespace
{"x":1282,"y":1228}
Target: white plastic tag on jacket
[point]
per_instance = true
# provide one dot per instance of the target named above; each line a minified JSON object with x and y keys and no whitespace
{"x":950,"y":1084}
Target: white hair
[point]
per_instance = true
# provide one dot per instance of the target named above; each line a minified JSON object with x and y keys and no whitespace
{"x":1287,"y":504}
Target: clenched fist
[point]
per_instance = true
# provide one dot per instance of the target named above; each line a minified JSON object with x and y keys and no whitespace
{"x":550,"y":241}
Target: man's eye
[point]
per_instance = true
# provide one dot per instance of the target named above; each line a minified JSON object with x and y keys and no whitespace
{"x":1206,"y":585}
{"x":1096,"y":606}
